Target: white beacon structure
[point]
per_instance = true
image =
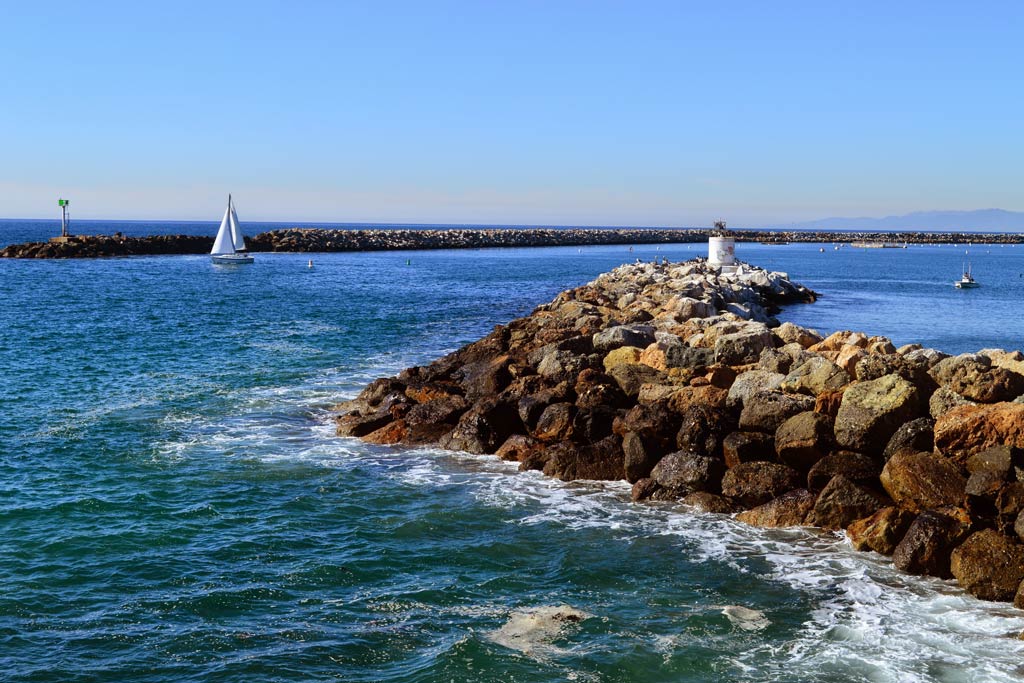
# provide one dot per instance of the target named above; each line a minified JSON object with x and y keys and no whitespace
{"x":722,"y":249}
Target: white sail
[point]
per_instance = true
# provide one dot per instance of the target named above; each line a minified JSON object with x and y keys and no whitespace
{"x":224,"y":243}
{"x":236,"y":232}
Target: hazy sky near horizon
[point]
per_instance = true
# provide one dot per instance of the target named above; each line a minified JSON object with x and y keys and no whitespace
{"x":606,"y":113}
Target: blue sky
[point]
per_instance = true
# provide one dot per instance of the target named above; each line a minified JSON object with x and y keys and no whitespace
{"x":608,"y":113}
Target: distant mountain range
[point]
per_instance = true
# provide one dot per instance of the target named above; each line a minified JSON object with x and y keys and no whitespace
{"x":980,"y":220}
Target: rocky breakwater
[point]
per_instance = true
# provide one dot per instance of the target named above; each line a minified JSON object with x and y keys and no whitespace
{"x":676,"y":379}
{"x":96,"y":246}
{"x":322,"y":240}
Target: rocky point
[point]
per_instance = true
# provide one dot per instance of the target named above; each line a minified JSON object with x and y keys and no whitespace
{"x":678,"y":379}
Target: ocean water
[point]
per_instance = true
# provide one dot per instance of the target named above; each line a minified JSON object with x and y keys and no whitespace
{"x":174,"y":505}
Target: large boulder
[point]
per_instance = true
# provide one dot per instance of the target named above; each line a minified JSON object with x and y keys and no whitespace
{"x":654,"y":423}
{"x":359,"y":424}
{"x":602,"y":460}
{"x":789,"y":509}
{"x":709,"y":502}
{"x":684,"y":472}
{"x":483,"y":378}
{"x":944,"y":400}
{"x":483,"y":428}
{"x":640,"y":336}
{"x":928,"y":543}
{"x":743,"y":347}
{"x":842,"y":502}
{"x":871,"y":412}
{"x":815,"y":376}
{"x":794,"y":334}
{"x":967,"y":430}
{"x":989,"y":565}
{"x":991,"y":386}
{"x":765,"y":411}
{"x":944,"y":371}
{"x":857,"y":467}
{"x":740,"y":447}
{"x":639,"y":458}
{"x":881,"y":531}
{"x":751,"y":382}
{"x":918,"y":481}
{"x":804,"y":439}
{"x":702,"y":429}
{"x":756,"y":483}
{"x":916,"y":436}
{"x":631,"y":376}
{"x":555,"y":423}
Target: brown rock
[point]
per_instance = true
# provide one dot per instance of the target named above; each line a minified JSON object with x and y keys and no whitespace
{"x":999,"y":458}
{"x":631,"y":376}
{"x":749,"y":383}
{"x":707,"y":395}
{"x":848,"y":358}
{"x":517,"y":447}
{"x":740,"y":447}
{"x":1009,"y":504}
{"x":684,"y":472}
{"x":601,"y":461}
{"x":483,"y":428}
{"x":389,"y":434}
{"x":790,"y":333}
{"x":765,"y":411}
{"x":842,"y":502}
{"x":483,"y":378}
{"x":702,"y":429}
{"x":709,"y":502}
{"x":789,"y":509}
{"x":857,"y":467}
{"x":871,"y":412}
{"x":424,"y":393}
{"x":639,"y":458}
{"x":967,"y":430}
{"x":643,"y":489}
{"x":804,"y":439}
{"x":916,"y":436}
{"x":928,"y":543}
{"x":555,"y":423}
{"x":991,"y":385}
{"x":756,"y":483}
{"x":944,"y":400}
{"x":358,"y":425}
{"x":445,"y":409}
{"x":880,"y":532}
{"x":655,"y":423}
{"x":828,"y":403}
{"x":919,"y":481}
{"x":815,"y":376}
{"x":989,"y":565}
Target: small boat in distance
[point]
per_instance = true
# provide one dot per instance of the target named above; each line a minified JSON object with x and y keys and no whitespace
{"x":229,"y":247}
{"x":967,"y":281}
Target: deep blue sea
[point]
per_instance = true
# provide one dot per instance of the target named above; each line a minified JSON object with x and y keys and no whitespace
{"x":174,"y":505}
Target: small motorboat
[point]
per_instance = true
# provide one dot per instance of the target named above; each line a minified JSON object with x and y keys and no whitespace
{"x":967,"y":281}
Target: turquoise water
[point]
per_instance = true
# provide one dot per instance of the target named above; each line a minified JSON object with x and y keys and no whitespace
{"x":174,"y":505}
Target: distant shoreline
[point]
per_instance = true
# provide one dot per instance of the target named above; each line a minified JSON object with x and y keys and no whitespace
{"x":320,"y":240}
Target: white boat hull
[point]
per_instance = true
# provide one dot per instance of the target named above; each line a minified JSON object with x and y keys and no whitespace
{"x":967,"y":285}
{"x":235,"y":259}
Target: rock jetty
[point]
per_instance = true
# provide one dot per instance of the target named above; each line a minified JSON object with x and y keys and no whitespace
{"x":317,"y":240}
{"x":97,"y":246}
{"x":677,"y":379}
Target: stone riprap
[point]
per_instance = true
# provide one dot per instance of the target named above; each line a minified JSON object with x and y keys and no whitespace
{"x":318,"y":240}
{"x":677,"y":379}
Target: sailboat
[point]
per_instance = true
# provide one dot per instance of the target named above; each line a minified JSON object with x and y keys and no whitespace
{"x":229,"y":247}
